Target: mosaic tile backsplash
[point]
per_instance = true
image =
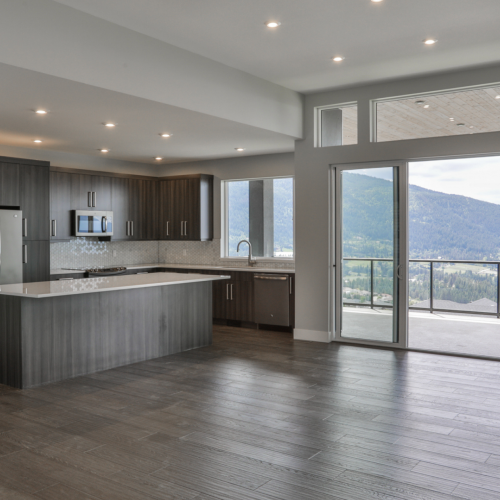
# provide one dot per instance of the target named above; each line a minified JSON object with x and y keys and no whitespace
{"x":89,"y":252}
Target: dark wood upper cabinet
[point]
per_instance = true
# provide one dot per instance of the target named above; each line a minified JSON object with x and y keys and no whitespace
{"x":34,"y":201}
{"x":166,"y":228}
{"x":60,"y":206}
{"x":9,"y":185}
{"x":143,"y":214}
{"x":101,"y":193}
{"x":121,"y":208}
{"x":185,"y":208}
{"x":81,"y":192}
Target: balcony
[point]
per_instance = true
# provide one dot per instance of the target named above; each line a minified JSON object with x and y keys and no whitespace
{"x":453,"y":305}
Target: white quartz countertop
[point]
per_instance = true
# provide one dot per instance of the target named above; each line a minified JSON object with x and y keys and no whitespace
{"x":186,"y":266}
{"x":46,"y":289}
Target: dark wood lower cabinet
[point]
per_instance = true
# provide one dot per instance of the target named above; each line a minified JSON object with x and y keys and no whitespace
{"x":36,"y":261}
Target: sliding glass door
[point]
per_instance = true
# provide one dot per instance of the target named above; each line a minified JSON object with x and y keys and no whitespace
{"x":370,"y":253}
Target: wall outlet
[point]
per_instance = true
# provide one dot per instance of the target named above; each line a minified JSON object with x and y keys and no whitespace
{"x":114,"y":253}
{"x":184,"y":252}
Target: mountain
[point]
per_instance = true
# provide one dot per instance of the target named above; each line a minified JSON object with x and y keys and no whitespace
{"x":441,"y":225}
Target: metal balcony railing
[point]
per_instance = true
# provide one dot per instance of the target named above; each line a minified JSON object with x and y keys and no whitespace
{"x":431,"y":307}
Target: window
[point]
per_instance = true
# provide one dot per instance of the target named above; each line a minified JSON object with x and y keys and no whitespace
{"x":337,"y":125}
{"x":441,"y":114}
{"x":261,"y":211}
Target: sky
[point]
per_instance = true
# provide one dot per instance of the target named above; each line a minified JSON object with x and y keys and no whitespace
{"x":477,"y":178}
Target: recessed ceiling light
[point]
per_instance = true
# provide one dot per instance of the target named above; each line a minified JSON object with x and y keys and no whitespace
{"x":273,"y":24}
{"x":338,"y":58}
{"x":166,"y":135}
{"x":41,"y":112}
{"x":471,"y":126}
{"x":497,"y":97}
{"x":430,"y":41}
{"x":110,"y":125}
{"x":104,"y":150}
{"x":376,"y":1}
{"x":158,"y":158}
{"x":38,"y":141}
{"x":240,"y":149}
{"x":427,"y":106}
{"x":452,"y":119}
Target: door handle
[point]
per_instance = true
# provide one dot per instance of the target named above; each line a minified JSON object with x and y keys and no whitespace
{"x":94,"y":198}
{"x":104,"y":224}
{"x":25,"y":227}
{"x":227,"y":292}
{"x":131,"y":228}
{"x":291,"y":285}
{"x":89,"y":199}
{"x":126,"y":228}
{"x":25,"y":254}
{"x":398,"y":272}
{"x":168,"y":233}
{"x":231,"y":292}
{"x":182,"y":228}
{"x":185,"y":228}
{"x":54,"y":227}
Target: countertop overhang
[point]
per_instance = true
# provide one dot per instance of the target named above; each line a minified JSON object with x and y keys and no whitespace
{"x":47,"y":289}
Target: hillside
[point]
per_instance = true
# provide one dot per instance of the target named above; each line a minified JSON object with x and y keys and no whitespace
{"x":441,"y":225}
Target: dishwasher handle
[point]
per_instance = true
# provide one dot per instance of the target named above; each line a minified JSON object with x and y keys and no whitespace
{"x":270,"y":277}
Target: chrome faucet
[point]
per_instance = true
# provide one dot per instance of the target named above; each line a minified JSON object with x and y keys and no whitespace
{"x":251,"y":261}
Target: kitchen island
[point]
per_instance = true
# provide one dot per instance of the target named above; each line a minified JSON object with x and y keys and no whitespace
{"x":55,"y":330}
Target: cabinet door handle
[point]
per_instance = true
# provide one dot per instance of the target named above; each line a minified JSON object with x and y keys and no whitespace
{"x":25,"y":254}
{"x":54,"y":227}
{"x":131,"y":228}
{"x":227,"y":292}
{"x":126,"y":229}
{"x":168,"y":233}
{"x":89,"y":199}
{"x":25,"y":227}
{"x":290,"y":285}
{"x":231,"y":292}
{"x":185,"y":228}
{"x":182,"y":228}
{"x":94,"y":198}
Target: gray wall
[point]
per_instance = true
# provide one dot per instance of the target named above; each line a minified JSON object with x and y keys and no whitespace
{"x":312,"y":180}
{"x":244,"y":167}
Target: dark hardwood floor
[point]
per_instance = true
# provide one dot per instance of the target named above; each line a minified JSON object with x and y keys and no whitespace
{"x":259,"y":416}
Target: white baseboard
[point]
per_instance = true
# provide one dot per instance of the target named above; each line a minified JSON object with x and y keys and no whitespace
{"x":311,"y":335}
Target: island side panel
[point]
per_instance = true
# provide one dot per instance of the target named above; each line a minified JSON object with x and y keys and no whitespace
{"x":131,"y":326}
{"x":67,"y":336}
{"x":187,"y":323}
{"x":10,"y":342}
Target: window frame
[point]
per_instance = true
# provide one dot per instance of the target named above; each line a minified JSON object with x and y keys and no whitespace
{"x":224,"y":247}
{"x":318,"y":122}
{"x":374,"y":102}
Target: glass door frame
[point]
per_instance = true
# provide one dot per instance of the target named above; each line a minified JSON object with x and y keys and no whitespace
{"x":335,"y":212}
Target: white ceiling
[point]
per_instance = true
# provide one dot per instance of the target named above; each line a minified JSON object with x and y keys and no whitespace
{"x":77,"y":113}
{"x":379,"y":40}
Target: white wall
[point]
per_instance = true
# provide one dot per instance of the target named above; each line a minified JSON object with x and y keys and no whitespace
{"x":312,"y":179}
{"x":84,"y":162}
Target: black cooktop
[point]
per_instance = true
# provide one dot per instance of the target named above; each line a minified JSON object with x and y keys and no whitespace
{"x":109,"y":271}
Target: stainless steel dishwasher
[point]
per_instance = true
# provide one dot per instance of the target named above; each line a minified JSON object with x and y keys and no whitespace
{"x":272,"y":299}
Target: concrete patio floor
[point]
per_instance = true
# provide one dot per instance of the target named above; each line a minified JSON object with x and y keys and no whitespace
{"x":464,"y":334}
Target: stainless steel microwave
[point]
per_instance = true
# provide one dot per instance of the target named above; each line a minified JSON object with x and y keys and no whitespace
{"x":90,"y":223}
